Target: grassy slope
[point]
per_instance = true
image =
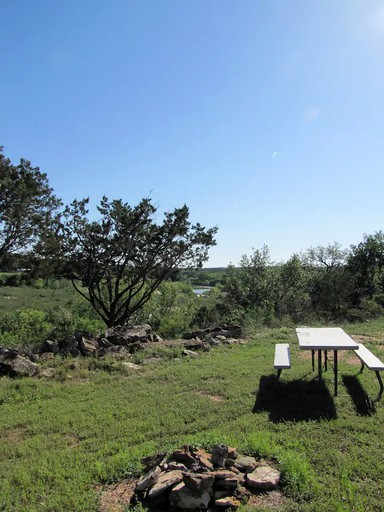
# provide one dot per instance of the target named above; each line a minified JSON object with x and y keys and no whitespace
{"x":60,"y":438}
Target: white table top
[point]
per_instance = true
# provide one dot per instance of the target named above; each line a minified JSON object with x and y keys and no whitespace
{"x":325,"y":338}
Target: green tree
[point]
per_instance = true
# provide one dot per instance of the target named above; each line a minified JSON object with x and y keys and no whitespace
{"x":293,"y":297}
{"x":366,"y":264}
{"x":117,"y":262}
{"x":329,"y":278}
{"x":27,"y":205}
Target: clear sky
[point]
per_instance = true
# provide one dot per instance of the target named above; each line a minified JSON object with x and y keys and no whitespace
{"x":265,"y":117}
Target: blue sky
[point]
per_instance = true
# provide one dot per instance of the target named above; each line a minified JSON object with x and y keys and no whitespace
{"x":265,"y":117}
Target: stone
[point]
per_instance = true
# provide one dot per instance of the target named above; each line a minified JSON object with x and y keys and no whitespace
{"x":264,"y":478}
{"x":197,"y":345}
{"x":219,"y":454}
{"x":50,"y":346}
{"x":229,"y":483}
{"x":152,"y":461}
{"x":15,"y":365}
{"x":232,"y":453}
{"x":184,"y":456}
{"x":131,"y":366}
{"x":176,"y":466}
{"x":46,"y":356}
{"x":203,"y":458}
{"x":88,"y":346}
{"x":221,"y":474}
{"x":199,"y":481}
{"x":148,"y":480}
{"x":190,"y":353}
{"x":229,"y":502}
{"x":116,"y":351}
{"x":127,"y":335}
{"x":245,"y":464}
{"x":104,"y":343}
{"x":69,"y":346}
{"x":183,"y":497}
{"x":164,"y":482}
{"x":48,"y":373}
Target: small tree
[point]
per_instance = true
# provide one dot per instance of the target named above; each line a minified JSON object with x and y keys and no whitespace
{"x":27,"y":205}
{"x":117,"y":263}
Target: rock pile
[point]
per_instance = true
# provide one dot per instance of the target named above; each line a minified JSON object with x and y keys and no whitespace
{"x":193,"y":479}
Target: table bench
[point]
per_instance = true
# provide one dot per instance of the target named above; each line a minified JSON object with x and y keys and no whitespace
{"x":282,"y":358}
{"x":371,"y":362}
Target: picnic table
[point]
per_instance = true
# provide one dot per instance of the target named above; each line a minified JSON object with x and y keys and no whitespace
{"x":322,"y":339}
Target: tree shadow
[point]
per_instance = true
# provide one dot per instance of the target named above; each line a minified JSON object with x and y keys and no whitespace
{"x":298,"y":400}
{"x":363,"y":404}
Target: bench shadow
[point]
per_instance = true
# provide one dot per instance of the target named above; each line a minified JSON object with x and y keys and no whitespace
{"x":363,"y":404}
{"x":297,"y":400}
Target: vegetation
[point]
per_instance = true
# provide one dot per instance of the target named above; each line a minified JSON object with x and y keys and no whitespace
{"x":27,"y":206}
{"x":64,"y":437}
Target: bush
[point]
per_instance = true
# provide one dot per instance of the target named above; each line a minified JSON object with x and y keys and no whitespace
{"x":24,"y":329}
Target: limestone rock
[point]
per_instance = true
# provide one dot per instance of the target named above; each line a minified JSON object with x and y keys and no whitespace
{"x":184,"y":498}
{"x":88,"y":346}
{"x":148,"y":480}
{"x":16,"y":365}
{"x":264,"y":478}
{"x":199,"y":481}
{"x":245,"y":464}
{"x":164,"y":482}
{"x":152,"y":461}
{"x":126,"y":335}
{"x":219,"y":454}
{"x":228,"y":503}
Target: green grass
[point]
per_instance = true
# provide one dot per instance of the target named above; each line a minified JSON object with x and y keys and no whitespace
{"x":63,"y":437}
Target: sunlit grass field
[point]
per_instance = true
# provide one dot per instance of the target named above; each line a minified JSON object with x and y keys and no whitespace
{"x":63,"y":437}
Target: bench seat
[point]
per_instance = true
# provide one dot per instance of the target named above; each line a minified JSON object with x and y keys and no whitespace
{"x":371,"y":362}
{"x":282,"y":358}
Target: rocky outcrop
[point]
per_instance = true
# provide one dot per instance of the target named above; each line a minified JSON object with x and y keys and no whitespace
{"x":14,"y":364}
{"x":193,"y":479}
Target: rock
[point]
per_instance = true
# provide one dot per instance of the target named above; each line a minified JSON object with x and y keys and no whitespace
{"x":199,"y":481}
{"x":212,"y":341}
{"x":190,"y":353}
{"x":176,"y":466}
{"x":197,"y":345}
{"x":152,"y":461}
{"x":131,"y":366}
{"x":232,"y":453}
{"x":221,"y":474}
{"x":69,"y":346}
{"x":50,"y":346}
{"x":116,"y":351}
{"x":184,"y":456}
{"x":46,"y":356}
{"x":184,"y":498}
{"x":148,"y":480}
{"x":228,"y":483}
{"x":245,"y":464}
{"x":15,"y":365}
{"x":127,"y":335}
{"x":219,"y":454}
{"x":264,"y":478}
{"x":88,"y":346}
{"x":203,"y":458}
{"x":164,"y":482}
{"x":228,"y":503}
{"x":155,"y":338}
{"x":104,"y":343}
{"x":48,"y":373}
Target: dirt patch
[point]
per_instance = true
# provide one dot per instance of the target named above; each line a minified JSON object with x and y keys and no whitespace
{"x":214,"y":398}
{"x":16,"y":435}
{"x":360,"y":338}
{"x":114,"y":498}
{"x":270,"y":500}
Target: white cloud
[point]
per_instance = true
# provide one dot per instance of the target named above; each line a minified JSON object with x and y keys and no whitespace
{"x":274,"y":155}
{"x":311,"y":114}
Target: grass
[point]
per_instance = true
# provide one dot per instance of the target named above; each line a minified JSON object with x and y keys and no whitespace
{"x":63,"y":437}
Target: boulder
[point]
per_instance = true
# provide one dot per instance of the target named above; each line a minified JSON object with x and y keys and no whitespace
{"x":184,"y":456}
{"x":87,"y":344}
{"x":16,"y":365}
{"x":199,"y":481}
{"x":264,"y":478}
{"x":164,"y":482}
{"x":152,"y":461}
{"x":69,"y":346}
{"x":185,"y":498}
{"x":244,"y":463}
{"x":228,"y":502}
{"x":148,"y":480}
{"x":130,"y":334}
{"x":219,"y":454}
{"x":49,"y":346}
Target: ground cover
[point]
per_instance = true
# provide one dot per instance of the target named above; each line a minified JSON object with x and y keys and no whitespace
{"x":90,"y":425}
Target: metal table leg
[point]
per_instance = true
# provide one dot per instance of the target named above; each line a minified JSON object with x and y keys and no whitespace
{"x":335,"y":369}
{"x":326,"y":360}
{"x":319,"y":363}
{"x":313,"y":360}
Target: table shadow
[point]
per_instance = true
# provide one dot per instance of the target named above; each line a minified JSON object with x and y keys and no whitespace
{"x":363,"y":404}
{"x":297,"y":400}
